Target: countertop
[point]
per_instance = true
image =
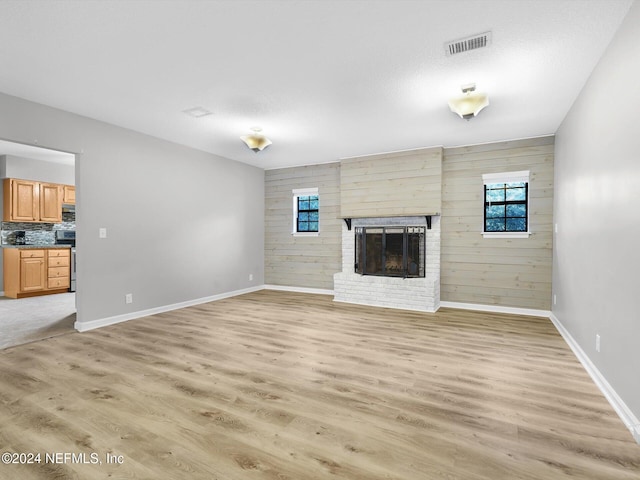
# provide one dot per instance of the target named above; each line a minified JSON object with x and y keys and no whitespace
{"x":32,"y":246}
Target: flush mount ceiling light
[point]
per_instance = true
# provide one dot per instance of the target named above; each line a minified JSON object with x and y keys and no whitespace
{"x":256,"y":141}
{"x":470,"y":104}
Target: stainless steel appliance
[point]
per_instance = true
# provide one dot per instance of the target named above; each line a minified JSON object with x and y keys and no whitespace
{"x":68,"y":237}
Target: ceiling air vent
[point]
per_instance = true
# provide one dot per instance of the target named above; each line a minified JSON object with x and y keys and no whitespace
{"x":480,"y":40}
{"x":197,"y":112}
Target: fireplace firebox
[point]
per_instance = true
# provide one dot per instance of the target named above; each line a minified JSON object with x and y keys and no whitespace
{"x":390,"y":251}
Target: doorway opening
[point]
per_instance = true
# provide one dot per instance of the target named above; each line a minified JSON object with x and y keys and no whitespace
{"x":46,"y":305}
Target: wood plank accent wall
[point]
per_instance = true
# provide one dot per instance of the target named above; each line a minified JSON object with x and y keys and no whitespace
{"x":302,"y":261}
{"x":392,"y":184}
{"x":491,"y":271}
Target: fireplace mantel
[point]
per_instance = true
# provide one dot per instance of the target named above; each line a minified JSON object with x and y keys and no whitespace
{"x":427,"y":218}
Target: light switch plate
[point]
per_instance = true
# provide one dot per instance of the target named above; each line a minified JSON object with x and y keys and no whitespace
{"x":102,"y":233}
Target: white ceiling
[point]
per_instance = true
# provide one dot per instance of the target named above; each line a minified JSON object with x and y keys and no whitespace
{"x":324,"y":79}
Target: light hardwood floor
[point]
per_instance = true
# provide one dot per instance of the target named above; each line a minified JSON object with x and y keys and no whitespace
{"x":274,"y":385}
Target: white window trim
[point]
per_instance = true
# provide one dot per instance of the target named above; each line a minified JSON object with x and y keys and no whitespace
{"x":301,"y":192}
{"x":507,"y":177}
{"x":506,"y":234}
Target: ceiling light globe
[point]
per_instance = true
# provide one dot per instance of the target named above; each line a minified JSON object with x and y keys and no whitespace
{"x":470,"y":104}
{"x":256,"y":141}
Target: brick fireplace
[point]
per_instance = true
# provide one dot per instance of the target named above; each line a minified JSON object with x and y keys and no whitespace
{"x":408,"y":290}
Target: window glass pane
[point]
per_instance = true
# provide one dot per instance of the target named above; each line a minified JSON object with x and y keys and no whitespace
{"x":516,"y":225}
{"x":495,"y":211}
{"x":495,"y":225}
{"x":303,"y":204}
{"x":519,"y":210}
{"x":506,"y":206}
{"x":516,"y":194}
{"x":495,"y":195}
{"x":306,"y":215}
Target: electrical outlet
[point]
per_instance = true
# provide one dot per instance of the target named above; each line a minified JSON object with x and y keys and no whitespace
{"x":102,"y":233}
{"x":128,"y":298}
{"x":555,"y":299}
{"x":250,"y":277}
{"x":555,"y":227}
{"x":597,"y":342}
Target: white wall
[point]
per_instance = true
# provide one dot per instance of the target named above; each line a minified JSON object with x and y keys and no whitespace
{"x":596,"y":262}
{"x":182,"y":224}
{"x":31,"y":169}
{"x":506,"y":272}
{"x":307,"y":262}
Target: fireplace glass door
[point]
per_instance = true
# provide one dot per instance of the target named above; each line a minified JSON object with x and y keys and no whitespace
{"x":390,"y":251}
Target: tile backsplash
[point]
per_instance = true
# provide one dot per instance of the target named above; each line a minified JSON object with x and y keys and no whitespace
{"x":36,"y":233}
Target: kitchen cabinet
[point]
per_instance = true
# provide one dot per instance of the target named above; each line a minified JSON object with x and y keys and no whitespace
{"x":21,"y":200}
{"x":69,"y":195}
{"x":32,"y":271}
{"x":58,"y":273}
{"x":29,"y":272}
{"x":29,"y":201}
{"x":50,"y":203}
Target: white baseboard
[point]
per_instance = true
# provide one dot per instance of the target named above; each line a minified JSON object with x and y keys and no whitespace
{"x":319,"y":291}
{"x":497,"y":309}
{"x":625,"y":414}
{"x":368,"y":304}
{"x":103,"y":322}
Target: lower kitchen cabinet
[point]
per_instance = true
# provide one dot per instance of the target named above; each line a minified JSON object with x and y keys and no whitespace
{"x":29,"y":272}
{"x":58,"y":273}
{"x":32,"y":271}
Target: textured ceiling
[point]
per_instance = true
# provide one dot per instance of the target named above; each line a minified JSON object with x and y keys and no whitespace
{"x":324,"y":79}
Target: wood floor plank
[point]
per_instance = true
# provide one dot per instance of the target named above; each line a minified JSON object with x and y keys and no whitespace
{"x":277,"y":385}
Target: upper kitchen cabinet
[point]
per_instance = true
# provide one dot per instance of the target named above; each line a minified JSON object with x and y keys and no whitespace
{"x":29,"y":201}
{"x":50,"y":203}
{"x":69,"y":195}
{"x":21,"y":200}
